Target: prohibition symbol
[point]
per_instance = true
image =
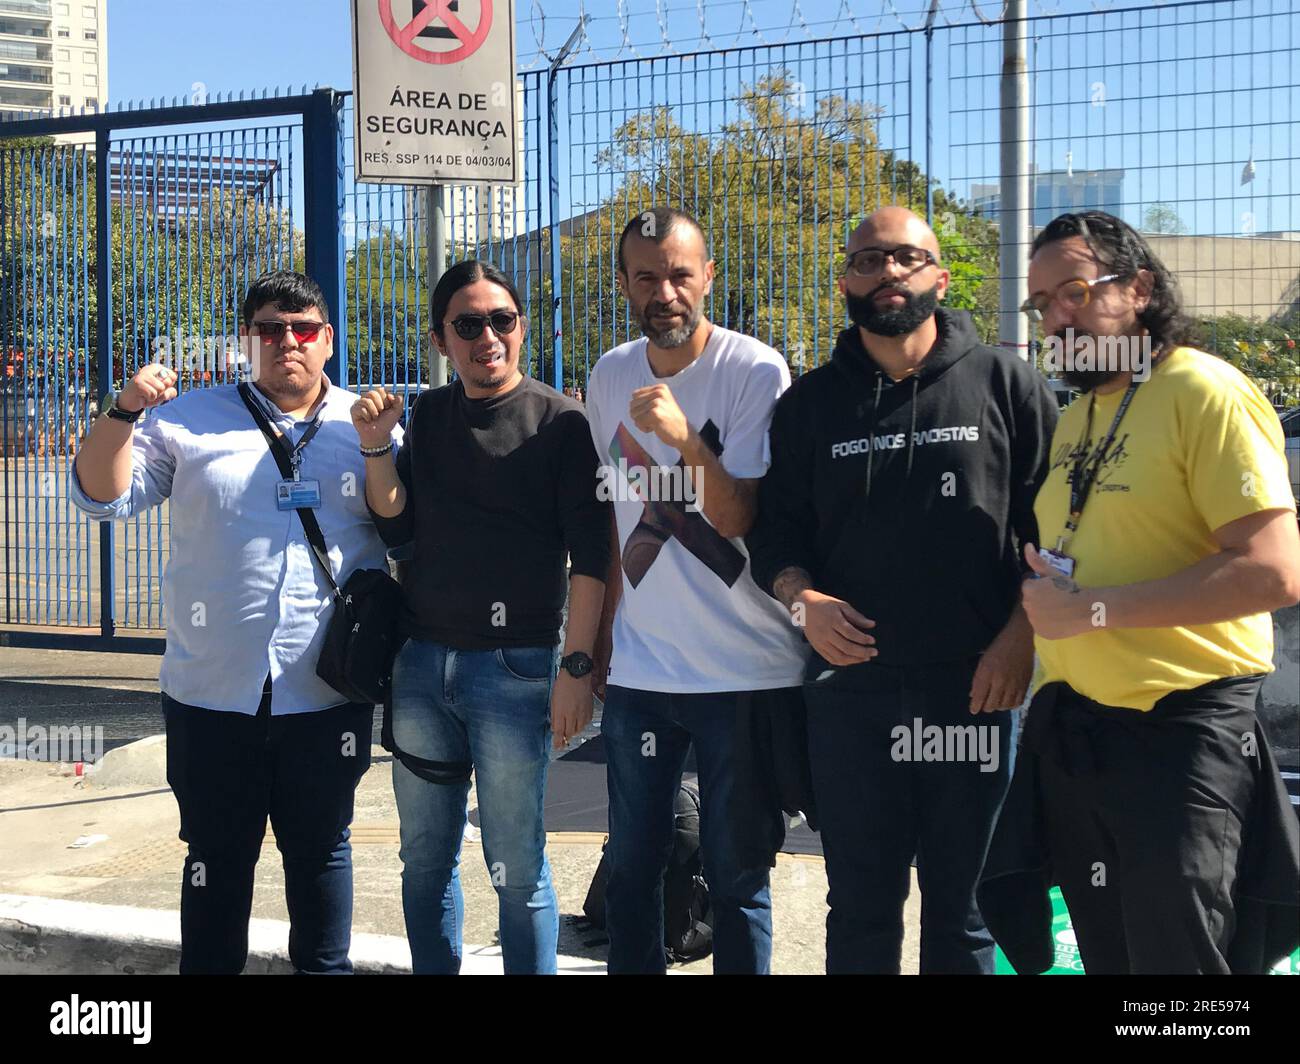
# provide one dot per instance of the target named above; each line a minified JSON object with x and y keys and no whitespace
{"x":443,"y":10}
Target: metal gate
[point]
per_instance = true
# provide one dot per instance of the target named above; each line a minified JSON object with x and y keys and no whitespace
{"x":126,"y":238}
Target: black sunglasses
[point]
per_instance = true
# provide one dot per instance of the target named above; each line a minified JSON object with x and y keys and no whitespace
{"x":304,"y":331}
{"x":471,"y":326}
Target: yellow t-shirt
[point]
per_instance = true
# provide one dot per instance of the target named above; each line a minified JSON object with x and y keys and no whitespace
{"x":1199,"y":447}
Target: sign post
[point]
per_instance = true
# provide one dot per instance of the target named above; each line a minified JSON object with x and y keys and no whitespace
{"x":435,"y":246}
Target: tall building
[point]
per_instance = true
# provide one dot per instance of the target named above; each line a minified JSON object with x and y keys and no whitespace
{"x":53,"y":55}
{"x":1056,"y":192}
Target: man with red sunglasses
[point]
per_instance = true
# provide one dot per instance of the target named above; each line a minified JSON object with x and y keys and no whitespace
{"x":252,"y":732}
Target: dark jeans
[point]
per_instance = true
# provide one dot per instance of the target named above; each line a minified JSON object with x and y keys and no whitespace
{"x":887,"y":791}
{"x":229,"y":772}
{"x":647,"y":736}
{"x":1144,"y":817}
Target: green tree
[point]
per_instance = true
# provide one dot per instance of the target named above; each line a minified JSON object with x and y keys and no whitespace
{"x":779,"y":190}
{"x":1266,"y":351}
{"x":1162,"y":218}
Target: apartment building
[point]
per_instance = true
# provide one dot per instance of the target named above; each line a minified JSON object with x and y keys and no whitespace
{"x":53,"y":55}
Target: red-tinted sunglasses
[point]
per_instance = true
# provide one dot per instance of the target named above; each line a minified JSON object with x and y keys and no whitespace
{"x":304,"y":331}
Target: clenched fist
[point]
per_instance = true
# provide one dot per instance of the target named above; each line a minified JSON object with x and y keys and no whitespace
{"x":151,"y":386}
{"x":375,"y":415}
{"x":653,"y":409}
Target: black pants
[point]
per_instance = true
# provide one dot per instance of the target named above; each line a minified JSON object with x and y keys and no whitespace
{"x":1143,"y":814}
{"x":229,"y":772}
{"x":878,"y":805}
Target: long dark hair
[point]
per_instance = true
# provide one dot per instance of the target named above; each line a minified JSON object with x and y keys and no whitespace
{"x":1122,"y":250}
{"x":457,"y":277}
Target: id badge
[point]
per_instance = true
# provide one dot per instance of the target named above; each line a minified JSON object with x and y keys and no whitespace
{"x":1059,"y":561}
{"x":297,"y":494}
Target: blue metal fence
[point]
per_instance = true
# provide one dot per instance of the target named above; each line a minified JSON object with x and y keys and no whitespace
{"x":1182,"y":117}
{"x":126,"y":238}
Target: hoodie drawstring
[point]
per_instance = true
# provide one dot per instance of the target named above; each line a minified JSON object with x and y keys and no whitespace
{"x":871,"y":435}
{"x":911,"y":432}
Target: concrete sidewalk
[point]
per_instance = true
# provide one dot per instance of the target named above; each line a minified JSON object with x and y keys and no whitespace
{"x":44,"y":809}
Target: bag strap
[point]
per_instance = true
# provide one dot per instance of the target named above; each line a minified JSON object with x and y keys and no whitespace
{"x":315,"y":537}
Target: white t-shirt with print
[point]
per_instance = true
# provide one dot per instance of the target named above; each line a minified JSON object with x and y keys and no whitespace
{"x":691,"y":619}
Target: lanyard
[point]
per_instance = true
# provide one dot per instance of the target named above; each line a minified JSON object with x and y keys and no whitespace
{"x":295,"y":455}
{"x":276,"y":437}
{"x":1084,"y":473}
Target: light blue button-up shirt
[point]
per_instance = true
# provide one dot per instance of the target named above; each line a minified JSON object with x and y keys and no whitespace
{"x":242,"y":595}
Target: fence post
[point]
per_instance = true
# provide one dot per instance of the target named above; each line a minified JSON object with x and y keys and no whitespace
{"x":929,"y":113}
{"x":553,"y":172}
{"x":326,"y":260}
{"x":104,"y":350}
{"x":1014,"y":223}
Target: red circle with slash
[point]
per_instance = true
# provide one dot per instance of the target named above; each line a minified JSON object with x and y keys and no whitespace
{"x":404,"y":36}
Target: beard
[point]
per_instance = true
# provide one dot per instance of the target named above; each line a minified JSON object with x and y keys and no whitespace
{"x":1085,"y":380}
{"x":667,"y":339}
{"x":490,"y":378}
{"x":277,"y":384}
{"x":917,"y":308}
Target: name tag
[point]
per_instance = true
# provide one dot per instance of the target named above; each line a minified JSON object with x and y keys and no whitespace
{"x":1059,"y":561}
{"x":297,"y":495}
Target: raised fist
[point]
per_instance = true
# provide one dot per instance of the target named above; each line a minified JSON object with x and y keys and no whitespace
{"x":375,"y":415}
{"x":151,"y":386}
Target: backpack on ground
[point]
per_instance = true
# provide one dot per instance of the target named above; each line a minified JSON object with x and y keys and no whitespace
{"x":688,"y":916}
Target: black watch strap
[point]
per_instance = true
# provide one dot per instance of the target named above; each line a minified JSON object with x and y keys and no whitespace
{"x":577,"y":664}
{"x":118,"y":414}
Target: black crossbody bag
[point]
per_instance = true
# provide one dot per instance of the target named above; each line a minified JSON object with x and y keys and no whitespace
{"x":361,"y":639}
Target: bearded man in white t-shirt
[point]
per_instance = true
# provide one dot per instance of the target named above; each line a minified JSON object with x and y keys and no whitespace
{"x":690,"y":650}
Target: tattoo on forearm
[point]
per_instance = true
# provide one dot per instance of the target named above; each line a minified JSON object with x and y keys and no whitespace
{"x":789,"y":582}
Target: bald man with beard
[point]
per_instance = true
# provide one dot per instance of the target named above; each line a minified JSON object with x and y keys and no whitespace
{"x":889,"y":524}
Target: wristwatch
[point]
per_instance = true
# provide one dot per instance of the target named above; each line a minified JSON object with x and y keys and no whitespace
{"x":109,"y":405}
{"x":576,"y":664}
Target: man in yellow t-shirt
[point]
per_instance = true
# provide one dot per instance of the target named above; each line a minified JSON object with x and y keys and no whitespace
{"x":1168,"y":535}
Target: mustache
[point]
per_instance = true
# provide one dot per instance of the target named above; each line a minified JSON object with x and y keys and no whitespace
{"x":902,"y":290}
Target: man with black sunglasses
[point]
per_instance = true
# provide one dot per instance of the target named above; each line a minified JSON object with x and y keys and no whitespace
{"x":901,"y":486}
{"x":495,"y":486}
{"x":252,"y":732}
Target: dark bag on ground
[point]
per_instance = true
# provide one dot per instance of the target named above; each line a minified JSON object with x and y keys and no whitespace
{"x":361,"y":639}
{"x":688,"y":916}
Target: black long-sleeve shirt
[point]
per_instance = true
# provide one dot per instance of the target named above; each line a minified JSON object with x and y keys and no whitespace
{"x":497,"y":491}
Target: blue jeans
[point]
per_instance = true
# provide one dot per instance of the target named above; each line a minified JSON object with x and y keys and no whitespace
{"x":229,"y":772}
{"x":490,"y":708}
{"x":879,"y":805}
{"x":644,"y":776}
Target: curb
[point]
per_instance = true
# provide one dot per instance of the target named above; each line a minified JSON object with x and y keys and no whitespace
{"x":54,"y":936}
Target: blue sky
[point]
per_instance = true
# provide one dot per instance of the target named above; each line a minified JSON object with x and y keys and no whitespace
{"x":1188,"y":95}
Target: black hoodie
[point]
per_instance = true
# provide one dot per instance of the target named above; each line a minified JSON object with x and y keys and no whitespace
{"x":921,"y":531}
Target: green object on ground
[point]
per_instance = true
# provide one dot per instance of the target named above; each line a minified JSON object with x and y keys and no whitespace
{"x":1067,"y":962}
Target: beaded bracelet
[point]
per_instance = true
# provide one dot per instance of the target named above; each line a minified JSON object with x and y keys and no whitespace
{"x":377,"y":452}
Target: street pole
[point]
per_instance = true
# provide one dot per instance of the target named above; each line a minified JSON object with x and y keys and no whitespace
{"x":1013,"y":226}
{"x":435,"y":243}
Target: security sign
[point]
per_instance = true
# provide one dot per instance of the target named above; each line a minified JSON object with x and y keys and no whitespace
{"x":435,"y":98}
